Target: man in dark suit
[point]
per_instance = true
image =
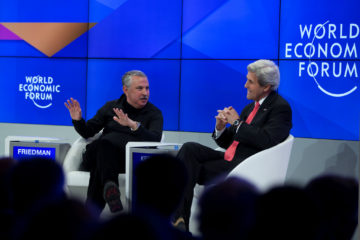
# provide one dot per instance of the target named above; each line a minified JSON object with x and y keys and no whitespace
{"x":262,"y":124}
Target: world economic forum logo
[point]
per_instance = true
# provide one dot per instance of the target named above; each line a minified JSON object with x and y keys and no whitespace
{"x":328,"y":43}
{"x":40,"y":90}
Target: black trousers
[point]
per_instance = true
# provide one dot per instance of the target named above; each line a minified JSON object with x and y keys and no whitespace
{"x":105,"y":161}
{"x":204,"y":165}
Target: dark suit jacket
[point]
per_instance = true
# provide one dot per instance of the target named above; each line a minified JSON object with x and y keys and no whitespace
{"x":270,"y":126}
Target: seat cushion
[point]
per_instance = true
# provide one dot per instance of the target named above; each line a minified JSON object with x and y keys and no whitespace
{"x":77,"y":178}
{"x":81,"y":179}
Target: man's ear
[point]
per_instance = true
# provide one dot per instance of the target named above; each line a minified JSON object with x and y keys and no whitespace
{"x":267,"y":88}
{"x":125,"y":90}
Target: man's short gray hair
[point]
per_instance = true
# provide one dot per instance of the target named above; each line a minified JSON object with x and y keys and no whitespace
{"x":267,"y":73}
{"x":127,"y":77}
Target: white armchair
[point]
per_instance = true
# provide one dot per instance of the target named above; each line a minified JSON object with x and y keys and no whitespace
{"x":264,"y":169}
{"x":267,"y":168}
{"x":77,"y":181}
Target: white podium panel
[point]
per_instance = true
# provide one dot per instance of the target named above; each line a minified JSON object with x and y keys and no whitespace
{"x":137,"y":152}
{"x":20,"y":147}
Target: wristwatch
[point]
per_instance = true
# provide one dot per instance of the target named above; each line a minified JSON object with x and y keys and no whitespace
{"x":236,"y":122}
{"x":137,"y":126}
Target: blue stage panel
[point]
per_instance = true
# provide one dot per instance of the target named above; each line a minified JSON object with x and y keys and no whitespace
{"x":135,"y":29}
{"x":104,"y":84}
{"x":39,"y":11}
{"x":44,"y":11}
{"x":230,"y":29}
{"x":207,"y":86}
{"x":34,"y":89}
{"x":322,"y":108}
{"x":321,"y":29}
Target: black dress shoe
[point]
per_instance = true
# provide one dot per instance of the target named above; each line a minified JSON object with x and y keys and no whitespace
{"x":112,"y":197}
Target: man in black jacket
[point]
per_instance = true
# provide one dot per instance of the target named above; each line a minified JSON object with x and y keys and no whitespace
{"x":262,"y":124}
{"x":129,"y":118}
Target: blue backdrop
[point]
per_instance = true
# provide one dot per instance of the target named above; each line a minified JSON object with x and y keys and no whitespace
{"x":195,"y":53}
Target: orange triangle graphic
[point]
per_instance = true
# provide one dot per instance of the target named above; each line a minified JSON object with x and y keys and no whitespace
{"x":48,"y":38}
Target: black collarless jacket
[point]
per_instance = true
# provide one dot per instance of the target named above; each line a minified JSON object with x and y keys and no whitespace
{"x":270,"y":126}
{"x":150,"y":117}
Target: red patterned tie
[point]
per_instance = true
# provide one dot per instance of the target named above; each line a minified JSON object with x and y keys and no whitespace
{"x":252,"y":114}
{"x":230,"y":152}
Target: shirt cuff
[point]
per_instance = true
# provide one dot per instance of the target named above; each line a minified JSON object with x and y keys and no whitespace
{"x":219,"y":132}
{"x":239,"y":126}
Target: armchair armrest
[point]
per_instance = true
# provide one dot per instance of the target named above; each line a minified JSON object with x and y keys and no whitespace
{"x":73,"y":158}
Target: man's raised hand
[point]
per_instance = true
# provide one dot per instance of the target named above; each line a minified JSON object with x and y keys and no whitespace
{"x":74,"y":109}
